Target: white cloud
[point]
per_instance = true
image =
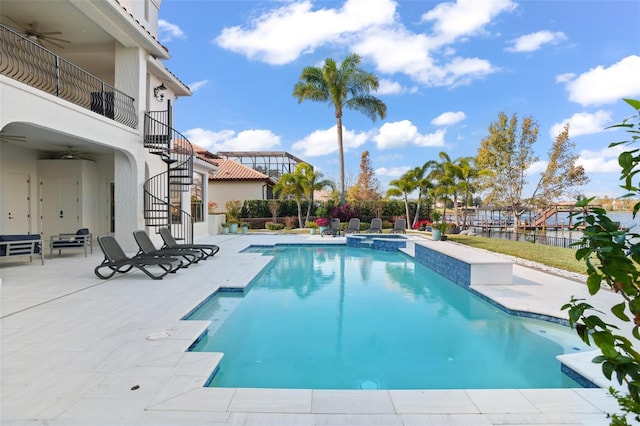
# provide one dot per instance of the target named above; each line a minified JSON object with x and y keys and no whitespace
{"x":416,"y":58}
{"x":536,"y":168}
{"x":402,"y":133}
{"x":388,"y":87}
{"x":464,"y":17}
{"x":228,"y":140}
{"x":323,"y":142}
{"x":448,"y":118}
{"x":534,"y":41}
{"x":583,"y":123}
{"x":372,"y":29}
{"x":565,"y":78}
{"x":268,"y":37}
{"x":602,"y":85}
{"x":169,"y":32}
{"x":602,"y":161}
{"x":392,"y":171}
{"x":196,"y":85}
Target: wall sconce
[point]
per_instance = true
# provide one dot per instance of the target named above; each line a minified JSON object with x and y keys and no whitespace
{"x":159,"y":92}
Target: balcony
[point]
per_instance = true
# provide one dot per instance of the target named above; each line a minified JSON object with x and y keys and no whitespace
{"x":27,"y":62}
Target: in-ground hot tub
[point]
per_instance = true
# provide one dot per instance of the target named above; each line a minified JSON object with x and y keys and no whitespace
{"x":384,"y":242}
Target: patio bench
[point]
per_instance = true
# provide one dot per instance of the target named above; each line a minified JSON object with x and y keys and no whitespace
{"x":80,"y":240}
{"x":21,"y":245}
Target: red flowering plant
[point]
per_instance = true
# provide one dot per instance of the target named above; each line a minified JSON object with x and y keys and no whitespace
{"x":322,"y":221}
{"x":345,"y":212}
{"x":422,"y":224}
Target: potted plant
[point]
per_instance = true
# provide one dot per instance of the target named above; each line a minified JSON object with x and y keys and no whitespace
{"x":442,"y":227}
{"x":436,"y":227}
{"x":312,"y":226}
{"x":245,"y":227}
{"x":322,"y":223}
{"x":233,"y":215}
{"x":225,"y":228}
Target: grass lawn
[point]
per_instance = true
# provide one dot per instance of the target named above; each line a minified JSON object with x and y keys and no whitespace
{"x":558,"y":257}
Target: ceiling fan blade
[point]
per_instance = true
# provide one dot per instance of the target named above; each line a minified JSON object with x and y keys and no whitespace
{"x":61,"y":40}
{"x":24,"y":29}
{"x":42,"y":41}
{"x":50,"y":33}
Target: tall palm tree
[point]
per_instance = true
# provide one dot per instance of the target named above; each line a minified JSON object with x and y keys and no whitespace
{"x":423,"y":185}
{"x":291,"y":186}
{"x":469,"y":174}
{"x":402,"y":187}
{"x":344,"y":86}
{"x":444,"y":174}
{"x":311,"y":181}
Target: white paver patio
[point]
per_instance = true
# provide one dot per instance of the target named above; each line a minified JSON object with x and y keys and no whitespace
{"x":78,"y":350}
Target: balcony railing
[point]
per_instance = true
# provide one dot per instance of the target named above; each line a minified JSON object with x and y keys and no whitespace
{"x":27,"y":62}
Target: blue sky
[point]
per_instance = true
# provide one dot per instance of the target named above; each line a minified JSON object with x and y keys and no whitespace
{"x":447,"y":69}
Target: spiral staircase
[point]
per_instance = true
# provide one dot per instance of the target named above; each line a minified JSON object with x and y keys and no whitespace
{"x":163,"y":192}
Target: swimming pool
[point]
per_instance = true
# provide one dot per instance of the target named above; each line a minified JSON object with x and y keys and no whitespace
{"x":350,"y":318}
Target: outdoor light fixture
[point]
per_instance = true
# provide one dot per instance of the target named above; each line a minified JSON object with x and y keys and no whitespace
{"x":159,"y":92}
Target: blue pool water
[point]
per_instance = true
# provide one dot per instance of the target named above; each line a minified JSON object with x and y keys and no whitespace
{"x":353,"y":318}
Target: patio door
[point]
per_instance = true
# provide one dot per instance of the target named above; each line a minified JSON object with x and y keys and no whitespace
{"x":59,"y":205}
{"x":16,"y":202}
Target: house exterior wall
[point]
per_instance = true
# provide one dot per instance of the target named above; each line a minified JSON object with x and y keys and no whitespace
{"x":26,"y":105}
{"x":120,"y":160}
{"x":222,"y":191}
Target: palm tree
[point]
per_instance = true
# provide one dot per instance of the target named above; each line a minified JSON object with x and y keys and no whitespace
{"x":311,"y":181}
{"x":444,"y":174}
{"x":402,"y":187}
{"x":291,"y":186}
{"x":344,"y":86}
{"x":422,"y":184}
{"x":469,"y":174}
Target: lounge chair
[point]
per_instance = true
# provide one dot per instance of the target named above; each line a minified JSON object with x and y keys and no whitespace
{"x":147,"y":248}
{"x":207,"y":250}
{"x":80,"y":240}
{"x":376,"y":226}
{"x":333,"y":229}
{"x":115,"y":260}
{"x":354,"y":225}
{"x":400,"y":227}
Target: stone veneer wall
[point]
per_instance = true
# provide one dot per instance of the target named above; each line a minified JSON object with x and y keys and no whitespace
{"x":456,"y":270}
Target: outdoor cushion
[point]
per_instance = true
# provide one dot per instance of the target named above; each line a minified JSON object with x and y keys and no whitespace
{"x":72,"y":242}
{"x":20,"y":237}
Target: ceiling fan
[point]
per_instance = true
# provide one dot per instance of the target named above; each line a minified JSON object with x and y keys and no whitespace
{"x":32,"y":33}
{"x":71,"y":154}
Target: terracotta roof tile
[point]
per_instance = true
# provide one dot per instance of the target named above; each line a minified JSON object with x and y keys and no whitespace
{"x":232,"y":170}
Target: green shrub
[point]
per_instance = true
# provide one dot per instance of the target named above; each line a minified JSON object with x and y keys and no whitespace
{"x":273,"y":226}
{"x":256,"y":208}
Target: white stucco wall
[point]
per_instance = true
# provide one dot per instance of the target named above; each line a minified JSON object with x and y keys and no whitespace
{"x":222,"y":191}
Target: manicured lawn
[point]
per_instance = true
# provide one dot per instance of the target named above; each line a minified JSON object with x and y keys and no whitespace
{"x":563,"y":258}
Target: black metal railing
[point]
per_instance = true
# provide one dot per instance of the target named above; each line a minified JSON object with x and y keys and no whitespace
{"x":162,"y":192}
{"x":533,"y":238}
{"x":27,"y":62}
